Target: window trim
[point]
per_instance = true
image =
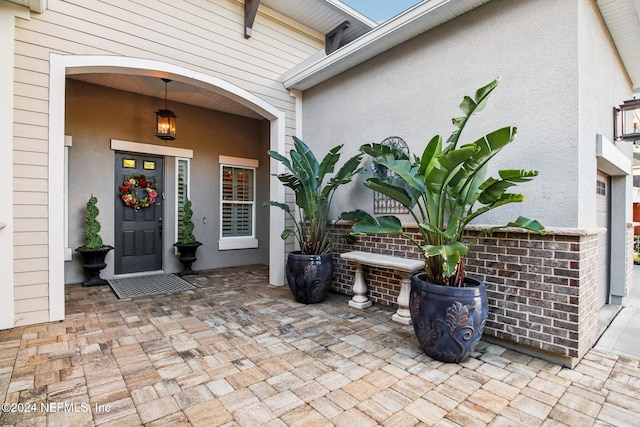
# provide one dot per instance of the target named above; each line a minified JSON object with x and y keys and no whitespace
{"x":243,"y":242}
{"x":68,"y":252}
{"x":188,"y":184}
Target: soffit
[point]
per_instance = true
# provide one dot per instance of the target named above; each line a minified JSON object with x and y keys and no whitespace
{"x":323,"y":15}
{"x":177,"y":92}
{"x":622,"y":18}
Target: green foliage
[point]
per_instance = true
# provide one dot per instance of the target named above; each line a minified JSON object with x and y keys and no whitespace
{"x":91,"y":234}
{"x":313,"y":197}
{"x":444,"y":190}
{"x":186,"y":231}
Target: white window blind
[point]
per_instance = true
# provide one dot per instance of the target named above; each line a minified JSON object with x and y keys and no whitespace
{"x":182,"y":193}
{"x":237,"y":201}
{"x":237,"y":204}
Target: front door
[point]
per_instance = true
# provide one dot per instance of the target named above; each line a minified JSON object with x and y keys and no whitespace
{"x":138,"y":213}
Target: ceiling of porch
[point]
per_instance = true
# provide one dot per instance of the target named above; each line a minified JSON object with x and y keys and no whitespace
{"x":176,"y":92}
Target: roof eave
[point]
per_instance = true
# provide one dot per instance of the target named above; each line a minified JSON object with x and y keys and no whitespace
{"x":38,"y":6}
{"x":414,"y":21}
{"x":430,"y":14}
{"x":622,"y":19}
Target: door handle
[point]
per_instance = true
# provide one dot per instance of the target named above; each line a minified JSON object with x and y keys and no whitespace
{"x":160,"y":226}
{"x":2,"y":225}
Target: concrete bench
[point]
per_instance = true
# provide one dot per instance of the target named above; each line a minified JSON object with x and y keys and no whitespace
{"x":405,"y":267}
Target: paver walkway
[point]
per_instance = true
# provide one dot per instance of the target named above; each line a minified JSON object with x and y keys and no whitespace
{"x":238,"y":352}
{"x":621,"y":337}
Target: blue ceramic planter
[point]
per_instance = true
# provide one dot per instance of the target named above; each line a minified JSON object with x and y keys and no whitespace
{"x":447,"y":320}
{"x":309,"y":276}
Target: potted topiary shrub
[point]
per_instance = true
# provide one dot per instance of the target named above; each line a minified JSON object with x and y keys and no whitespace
{"x":187,"y":245}
{"x":310,"y":270}
{"x":94,"y":251}
{"x":444,"y":190}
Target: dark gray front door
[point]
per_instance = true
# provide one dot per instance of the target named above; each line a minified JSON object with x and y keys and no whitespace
{"x":138,"y":232}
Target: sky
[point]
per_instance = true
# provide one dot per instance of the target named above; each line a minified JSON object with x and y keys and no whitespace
{"x":380,"y":10}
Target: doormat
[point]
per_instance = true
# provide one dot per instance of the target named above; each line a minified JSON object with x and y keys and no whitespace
{"x":142,"y":286}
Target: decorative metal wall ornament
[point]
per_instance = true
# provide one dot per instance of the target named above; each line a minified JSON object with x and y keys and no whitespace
{"x":383,"y":204}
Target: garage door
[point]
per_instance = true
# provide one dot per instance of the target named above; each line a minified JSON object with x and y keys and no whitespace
{"x":603,"y":219}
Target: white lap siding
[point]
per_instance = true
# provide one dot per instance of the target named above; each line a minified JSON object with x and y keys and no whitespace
{"x":206,"y":37}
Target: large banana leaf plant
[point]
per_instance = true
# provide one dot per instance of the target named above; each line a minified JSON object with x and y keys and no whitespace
{"x":313,"y":196}
{"x":444,"y":189}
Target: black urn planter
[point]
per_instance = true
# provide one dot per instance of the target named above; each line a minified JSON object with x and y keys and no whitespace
{"x":309,"y":276}
{"x":187,"y":257}
{"x":448,"y":320}
{"x":93,"y":263}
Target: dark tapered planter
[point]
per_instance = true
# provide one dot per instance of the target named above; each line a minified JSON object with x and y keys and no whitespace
{"x":448,"y":320}
{"x":94,"y":263}
{"x":309,"y":276}
{"x":187,"y":257}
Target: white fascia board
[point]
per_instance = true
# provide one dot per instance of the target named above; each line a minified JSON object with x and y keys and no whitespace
{"x":417,"y":20}
{"x":37,"y":6}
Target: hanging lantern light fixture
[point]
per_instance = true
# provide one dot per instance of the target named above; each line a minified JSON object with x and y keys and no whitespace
{"x":165,"y":119}
{"x":627,"y":121}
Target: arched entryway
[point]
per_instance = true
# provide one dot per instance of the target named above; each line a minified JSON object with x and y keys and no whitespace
{"x":61,"y":67}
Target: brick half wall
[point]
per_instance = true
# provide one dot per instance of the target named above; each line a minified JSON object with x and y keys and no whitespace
{"x":542,"y":290}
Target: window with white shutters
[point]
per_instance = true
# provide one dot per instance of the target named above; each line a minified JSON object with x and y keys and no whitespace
{"x":182,"y":192}
{"x":237,"y":204}
{"x":237,"y":201}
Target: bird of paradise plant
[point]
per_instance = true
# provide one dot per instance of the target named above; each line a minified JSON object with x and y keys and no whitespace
{"x":444,"y":189}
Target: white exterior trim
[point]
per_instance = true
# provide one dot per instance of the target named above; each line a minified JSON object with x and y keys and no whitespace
{"x":68,"y":252}
{"x":276,"y":218}
{"x":238,"y":242}
{"x":297,"y":95}
{"x":8,"y":14}
{"x":232,"y":243}
{"x":238,"y":161}
{"x":57,"y":102}
{"x":175,"y":201}
{"x":611,"y":160}
{"x":60,"y":66}
{"x":159,"y":150}
{"x":80,"y":64}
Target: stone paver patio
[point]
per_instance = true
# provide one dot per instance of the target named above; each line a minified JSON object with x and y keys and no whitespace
{"x":238,"y":352}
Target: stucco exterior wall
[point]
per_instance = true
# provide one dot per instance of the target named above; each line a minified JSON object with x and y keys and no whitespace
{"x":414,"y":90}
{"x":603,"y":83}
{"x":560,"y":79}
{"x":92,"y":121}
